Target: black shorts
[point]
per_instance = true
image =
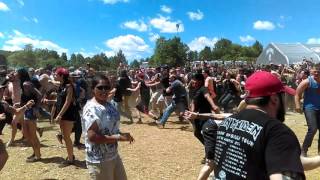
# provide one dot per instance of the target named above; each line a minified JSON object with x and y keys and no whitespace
{"x":209,"y":133}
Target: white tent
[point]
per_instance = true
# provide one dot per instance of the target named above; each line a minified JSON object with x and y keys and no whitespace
{"x":277,"y":53}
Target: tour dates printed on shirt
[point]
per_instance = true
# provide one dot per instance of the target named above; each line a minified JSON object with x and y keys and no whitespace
{"x":234,"y":137}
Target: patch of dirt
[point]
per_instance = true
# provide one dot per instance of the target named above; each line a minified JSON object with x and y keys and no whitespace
{"x":171,"y":153}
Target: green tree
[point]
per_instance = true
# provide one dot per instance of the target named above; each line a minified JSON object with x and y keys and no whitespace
{"x":172,"y":52}
{"x":135,"y":64}
{"x":22,"y":59}
{"x":205,"y":54}
{"x":64,"y":57}
{"x":73,"y":59}
{"x":257,"y":48}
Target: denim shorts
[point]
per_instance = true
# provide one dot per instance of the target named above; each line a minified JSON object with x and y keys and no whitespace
{"x":29,"y":115}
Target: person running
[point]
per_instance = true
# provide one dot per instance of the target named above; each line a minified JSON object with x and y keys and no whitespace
{"x":101,"y":128}
{"x":310,"y":87}
{"x":179,"y":102}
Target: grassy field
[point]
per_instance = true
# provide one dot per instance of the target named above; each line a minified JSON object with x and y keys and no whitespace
{"x":171,"y":153}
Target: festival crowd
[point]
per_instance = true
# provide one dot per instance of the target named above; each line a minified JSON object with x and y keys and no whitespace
{"x":236,"y":111}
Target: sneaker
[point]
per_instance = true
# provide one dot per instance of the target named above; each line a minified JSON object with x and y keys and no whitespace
{"x":32,"y":156}
{"x":67,"y":162}
{"x":159,"y":123}
{"x":33,"y":159}
{"x":79,"y":146}
{"x":59,"y":137}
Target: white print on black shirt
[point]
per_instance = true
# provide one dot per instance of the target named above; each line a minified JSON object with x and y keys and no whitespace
{"x":232,"y":136}
{"x":242,"y":125}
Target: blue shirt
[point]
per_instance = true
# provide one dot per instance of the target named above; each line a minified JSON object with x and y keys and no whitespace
{"x":312,"y":95}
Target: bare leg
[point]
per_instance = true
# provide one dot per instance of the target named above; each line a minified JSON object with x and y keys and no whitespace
{"x":205,"y":171}
{"x":32,"y":137}
{"x":66,"y":129}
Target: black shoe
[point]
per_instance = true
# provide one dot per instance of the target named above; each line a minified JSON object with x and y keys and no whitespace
{"x":67,"y":162}
{"x":32,"y":156}
{"x":33,"y":159}
{"x":79,"y":145}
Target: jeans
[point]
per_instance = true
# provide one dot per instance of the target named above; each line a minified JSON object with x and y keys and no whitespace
{"x":44,"y":113}
{"x":167,"y":112}
{"x":313,"y":122}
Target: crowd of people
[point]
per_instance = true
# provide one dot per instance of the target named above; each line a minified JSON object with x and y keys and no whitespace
{"x":237,"y":113}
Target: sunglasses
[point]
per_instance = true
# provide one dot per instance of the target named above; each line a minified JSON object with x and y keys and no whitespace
{"x":106,"y":88}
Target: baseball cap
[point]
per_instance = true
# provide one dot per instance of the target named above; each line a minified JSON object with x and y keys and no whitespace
{"x":263,"y":83}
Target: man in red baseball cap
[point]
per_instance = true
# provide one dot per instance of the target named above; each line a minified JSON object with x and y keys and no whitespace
{"x":255,"y":144}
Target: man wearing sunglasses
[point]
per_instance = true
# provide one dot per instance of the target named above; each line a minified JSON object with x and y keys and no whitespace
{"x":255,"y":143}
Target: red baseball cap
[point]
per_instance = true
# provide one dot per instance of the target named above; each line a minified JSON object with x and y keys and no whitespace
{"x":263,"y":83}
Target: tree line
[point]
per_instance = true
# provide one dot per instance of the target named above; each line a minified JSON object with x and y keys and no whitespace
{"x":171,"y":52}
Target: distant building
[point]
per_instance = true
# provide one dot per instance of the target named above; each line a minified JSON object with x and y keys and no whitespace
{"x":280,"y":53}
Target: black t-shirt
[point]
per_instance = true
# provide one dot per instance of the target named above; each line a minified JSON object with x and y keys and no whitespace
{"x":124,"y":84}
{"x":201,"y":104}
{"x":118,"y":94}
{"x":251,"y":145}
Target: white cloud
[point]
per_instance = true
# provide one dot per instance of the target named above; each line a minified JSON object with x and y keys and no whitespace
{"x":85,"y":54}
{"x":20,"y":2}
{"x":114,"y":1}
{"x":35,"y":20}
{"x":263,"y":25}
{"x":246,"y":39}
{"x":4,"y":7}
{"x":166,"y":9}
{"x":18,"y":40}
{"x":313,"y":41}
{"x":1,"y":35}
{"x":153,"y":37}
{"x":132,"y":46}
{"x":201,"y":42}
{"x":280,"y":25}
{"x":195,"y":15}
{"x":18,"y":33}
{"x":139,"y":26}
{"x":165,"y":25}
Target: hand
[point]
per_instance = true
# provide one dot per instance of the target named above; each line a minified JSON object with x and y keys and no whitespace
{"x":16,"y":105}
{"x":126,"y":137}
{"x":30,"y":103}
{"x":2,"y":116}
{"x":57,"y":119}
{"x":216,"y":109}
{"x":190,"y":115}
{"x":45,"y":101}
{"x":299,"y":110}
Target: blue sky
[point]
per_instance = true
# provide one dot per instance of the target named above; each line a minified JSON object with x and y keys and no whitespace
{"x":95,"y":26}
